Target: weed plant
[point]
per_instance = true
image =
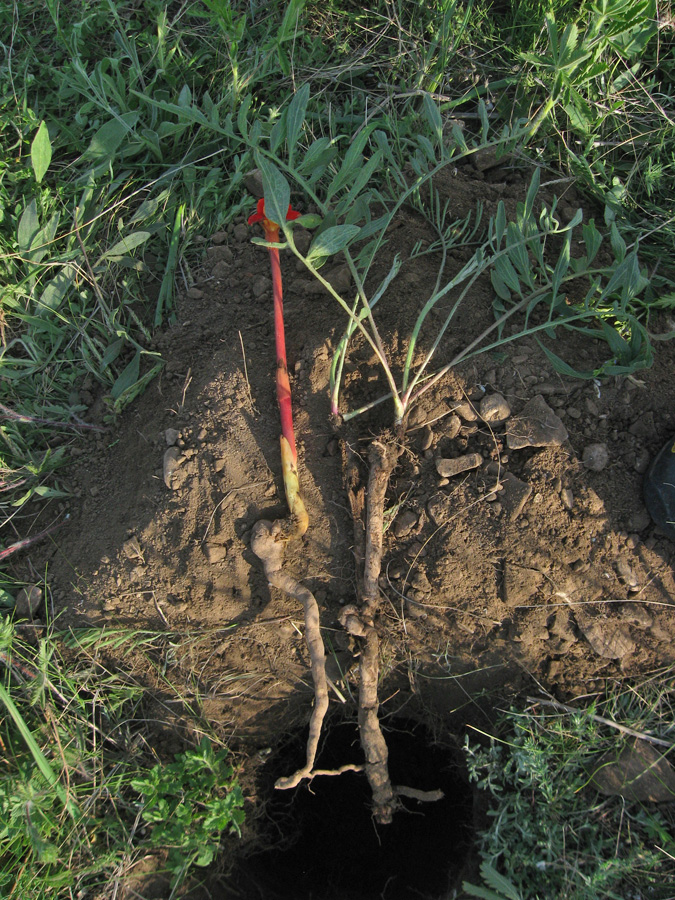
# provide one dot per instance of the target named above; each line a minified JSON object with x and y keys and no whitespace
{"x":80,"y":800}
{"x":552,"y":834}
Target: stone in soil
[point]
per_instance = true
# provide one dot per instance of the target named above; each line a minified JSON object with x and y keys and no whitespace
{"x":608,"y":639}
{"x":535,"y":426}
{"x":514,"y":495}
{"x":447,"y":468}
{"x":172,"y":460}
{"x":640,"y":773}
{"x":595,"y":457}
{"x":404,"y":523}
{"x":215,"y":553}
{"x":494,"y":409}
{"x":28,"y":602}
{"x":659,"y":489}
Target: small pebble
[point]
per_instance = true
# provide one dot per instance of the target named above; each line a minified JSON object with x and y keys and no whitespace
{"x":567,"y":498}
{"x":427,"y":438}
{"x":28,"y":601}
{"x":466,"y":411}
{"x":195,"y":294}
{"x":215,"y":553}
{"x":404,"y":523}
{"x":453,"y":427}
{"x":171,"y":436}
{"x":626,"y":574}
{"x":447,"y":468}
{"x":494,"y":409}
{"x":595,"y":457}
{"x":172,"y":460}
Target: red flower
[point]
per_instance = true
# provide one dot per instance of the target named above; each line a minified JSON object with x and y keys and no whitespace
{"x":270,"y":228}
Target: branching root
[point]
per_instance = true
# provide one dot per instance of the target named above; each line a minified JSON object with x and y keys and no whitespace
{"x":267,"y":542}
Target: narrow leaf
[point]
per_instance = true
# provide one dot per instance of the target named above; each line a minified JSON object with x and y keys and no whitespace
{"x":128,"y":378}
{"x":41,"y":152}
{"x":362,"y":179}
{"x":29,"y":226}
{"x":500,"y":288}
{"x":242,"y":123}
{"x":500,"y":222}
{"x":56,"y":289}
{"x":276,"y":190}
{"x":592,"y":239}
{"x":126,"y":245}
{"x":458,"y":138}
{"x":532,"y":192}
{"x":332,"y":240}
{"x":484,"y":121}
{"x":562,"y":265}
{"x":278,"y":133}
{"x":433,"y":117}
{"x":351,"y":163}
{"x":295,"y":119}
{"x":562,"y":367}
{"x":617,"y":242}
{"x":109,"y":137}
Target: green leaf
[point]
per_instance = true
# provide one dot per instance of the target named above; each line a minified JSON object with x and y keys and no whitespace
{"x":562,"y":265}
{"x":185,"y":97}
{"x":562,"y":367}
{"x":112,"y":353}
{"x":617,"y":242}
{"x":500,"y":288}
{"x":278,"y":133}
{"x":484,"y":121}
{"x":532,"y":192}
{"x":320,"y":153}
{"x":126,"y":245}
{"x":433,"y":117}
{"x":109,"y":137}
{"x":592,"y":240}
{"x":309,"y":220}
{"x":242,"y":123}
{"x":56,"y":289}
{"x":360,"y":182}
{"x":276,"y":190}
{"x":515,"y":244}
{"x":41,"y":242}
{"x":128,"y":378}
{"x":332,"y":240}
{"x":351,"y":163}
{"x":504,"y":268}
{"x":500,"y":222}
{"x":295,"y":119}
{"x":41,"y":152}
{"x":458,"y":138}
{"x":29,"y":226}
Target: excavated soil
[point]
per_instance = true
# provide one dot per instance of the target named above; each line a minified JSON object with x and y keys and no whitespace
{"x":531,"y":572}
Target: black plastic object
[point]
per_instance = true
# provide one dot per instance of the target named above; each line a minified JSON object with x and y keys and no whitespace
{"x":659,"y":488}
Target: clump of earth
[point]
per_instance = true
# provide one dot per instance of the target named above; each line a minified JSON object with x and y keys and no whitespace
{"x":519,"y":555}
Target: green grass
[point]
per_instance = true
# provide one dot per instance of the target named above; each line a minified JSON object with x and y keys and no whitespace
{"x":552,"y":834}
{"x":127,"y":130}
{"x":82,"y":798}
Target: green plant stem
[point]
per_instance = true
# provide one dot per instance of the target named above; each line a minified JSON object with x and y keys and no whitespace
{"x":37,"y":754}
{"x":379,"y":352}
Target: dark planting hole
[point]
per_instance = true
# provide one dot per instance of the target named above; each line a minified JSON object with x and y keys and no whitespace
{"x":321,"y":839}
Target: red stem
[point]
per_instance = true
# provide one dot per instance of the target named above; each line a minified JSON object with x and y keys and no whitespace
{"x":283,"y":384}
